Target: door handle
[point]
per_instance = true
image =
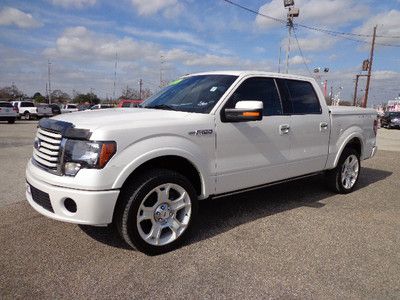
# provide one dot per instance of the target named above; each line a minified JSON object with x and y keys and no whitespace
{"x":323,"y":126}
{"x":284,"y":129}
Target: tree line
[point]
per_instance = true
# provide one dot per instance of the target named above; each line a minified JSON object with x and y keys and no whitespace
{"x":13,"y":93}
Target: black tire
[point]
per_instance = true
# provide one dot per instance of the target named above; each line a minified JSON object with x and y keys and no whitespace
{"x":27,"y":115}
{"x":11,"y":121}
{"x":334,"y":178}
{"x":132,"y":198}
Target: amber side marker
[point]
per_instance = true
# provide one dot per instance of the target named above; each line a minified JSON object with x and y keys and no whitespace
{"x":251,"y":114}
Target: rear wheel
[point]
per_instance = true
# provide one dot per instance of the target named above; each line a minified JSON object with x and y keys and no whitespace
{"x":27,"y":115}
{"x":344,"y":177}
{"x":156,"y":212}
{"x":11,"y":121}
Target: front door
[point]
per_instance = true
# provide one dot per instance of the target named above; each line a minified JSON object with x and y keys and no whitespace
{"x":257,"y":152}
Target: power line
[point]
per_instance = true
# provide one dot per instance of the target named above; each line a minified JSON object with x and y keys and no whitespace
{"x":301,"y":53}
{"x":327,"y":31}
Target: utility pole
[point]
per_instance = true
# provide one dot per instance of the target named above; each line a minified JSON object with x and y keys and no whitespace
{"x":115,"y":73}
{"x":140,"y":88}
{"x":371,"y":58}
{"x":279,"y":59}
{"x":355,"y":91}
{"x":161,"y":72}
{"x":289,"y":25}
{"x":49,"y":75}
{"x":292,"y":13}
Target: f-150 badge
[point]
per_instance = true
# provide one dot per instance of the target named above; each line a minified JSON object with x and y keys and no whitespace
{"x":201,"y":132}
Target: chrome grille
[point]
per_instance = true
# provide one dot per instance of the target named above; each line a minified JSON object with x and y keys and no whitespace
{"x":46,"y":150}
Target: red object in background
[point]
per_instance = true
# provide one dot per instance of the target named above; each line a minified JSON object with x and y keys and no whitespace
{"x":129,"y":103}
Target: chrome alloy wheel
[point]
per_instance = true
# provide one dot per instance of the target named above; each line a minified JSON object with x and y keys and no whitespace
{"x":164,"y":214}
{"x":350,"y":170}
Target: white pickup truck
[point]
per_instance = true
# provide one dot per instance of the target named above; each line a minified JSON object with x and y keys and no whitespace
{"x":206,"y":135}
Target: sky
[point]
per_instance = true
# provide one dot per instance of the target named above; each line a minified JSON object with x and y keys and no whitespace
{"x":83,"y":40}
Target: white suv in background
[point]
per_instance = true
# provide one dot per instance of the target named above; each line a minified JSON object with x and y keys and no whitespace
{"x":26,"y":109}
{"x":7,"y":112}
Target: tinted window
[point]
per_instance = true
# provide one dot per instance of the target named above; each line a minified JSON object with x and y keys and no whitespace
{"x":197,"y":93}
{"x":27,"y":104}
{"x":126,"y":104}
{"x":303,"y":97}
{"x":258,"y":89}
{"x":5,"y":104}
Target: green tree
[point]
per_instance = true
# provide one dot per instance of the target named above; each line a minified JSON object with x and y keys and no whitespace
{"x":39,"y":98}
{"x":89,"y":98}
{"x":60,"y":96}
{"x":11,"y":93}
{"x":129,"y":93}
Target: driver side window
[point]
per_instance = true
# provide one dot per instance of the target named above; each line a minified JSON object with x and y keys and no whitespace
{"x":258,"y":89}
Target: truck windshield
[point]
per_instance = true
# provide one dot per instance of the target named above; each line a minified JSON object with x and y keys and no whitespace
{"x":197,"y":94}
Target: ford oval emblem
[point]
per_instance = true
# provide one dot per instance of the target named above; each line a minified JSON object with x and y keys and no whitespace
{"x":36,"y":144}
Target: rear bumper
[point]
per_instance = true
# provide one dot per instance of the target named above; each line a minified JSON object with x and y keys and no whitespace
{"x":92,"y":207}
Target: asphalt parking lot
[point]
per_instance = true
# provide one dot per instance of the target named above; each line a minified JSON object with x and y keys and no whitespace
{"x":296,"y":240}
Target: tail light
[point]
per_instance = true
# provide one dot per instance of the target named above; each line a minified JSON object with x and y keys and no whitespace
{"x":15,"y":109}
{"x":375,"y":126}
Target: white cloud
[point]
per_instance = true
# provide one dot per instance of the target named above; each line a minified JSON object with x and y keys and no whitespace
{"x":78,"y":43}
{"x":316,"y":12}
{"x":312,"y":43}
{"x":388,"y":25}
{"x":13,"y":16}
{"x":74,"y":3}
{"x":149,"y":7}
{"x":297,"y":60}
{"x":179,"y":36}
{"x":385,"y":75}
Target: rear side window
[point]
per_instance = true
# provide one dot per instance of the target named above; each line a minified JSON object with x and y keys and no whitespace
{"x":27,"y":104}
{"x":5,"y":104}
{"x":258,"y":89}
{"x":303,"y":97}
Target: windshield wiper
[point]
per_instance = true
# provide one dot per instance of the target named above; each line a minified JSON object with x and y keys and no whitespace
{"x":161,"y":106}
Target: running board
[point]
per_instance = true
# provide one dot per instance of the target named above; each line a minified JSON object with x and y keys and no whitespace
{"x":264,"y":185}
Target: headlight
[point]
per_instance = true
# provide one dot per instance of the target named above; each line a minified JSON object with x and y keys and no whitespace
{"x":86,"y":154}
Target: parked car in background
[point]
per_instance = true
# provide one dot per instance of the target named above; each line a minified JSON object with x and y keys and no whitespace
{"x":129,"y":103}
{"x":44,"y":110}
{"x":102,"y":106}
{"x":83,"y":107}
{"x":55,"y":109}
{"x":391,"y":119}
{"x":25,"y":109}
{"x":69,"y":108}
{"x":7,"y":112}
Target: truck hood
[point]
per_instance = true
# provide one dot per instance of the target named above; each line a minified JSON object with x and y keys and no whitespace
{"x":108,"y":118}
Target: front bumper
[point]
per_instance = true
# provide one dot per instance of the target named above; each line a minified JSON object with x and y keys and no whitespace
{"x":92,"y":207}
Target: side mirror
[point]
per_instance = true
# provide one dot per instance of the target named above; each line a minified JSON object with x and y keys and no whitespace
{"x":244,"y":111}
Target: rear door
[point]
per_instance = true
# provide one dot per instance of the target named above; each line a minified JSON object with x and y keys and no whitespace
{"x":309,"y":127}
{"x":256,"y":152}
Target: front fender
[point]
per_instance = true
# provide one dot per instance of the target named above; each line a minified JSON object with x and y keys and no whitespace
{"x":144,"y":150}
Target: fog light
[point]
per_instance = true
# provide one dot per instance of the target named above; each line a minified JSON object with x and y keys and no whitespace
{"x":71,"y":168}
{"x":70,"y":205}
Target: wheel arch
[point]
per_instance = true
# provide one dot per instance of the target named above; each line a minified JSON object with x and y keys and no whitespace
{"x":353,"y":141}
{"x":175,"y":163}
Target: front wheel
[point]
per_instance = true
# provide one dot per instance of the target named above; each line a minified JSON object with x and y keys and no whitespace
{"x":344,"y":177}
{"x":156,"y":212}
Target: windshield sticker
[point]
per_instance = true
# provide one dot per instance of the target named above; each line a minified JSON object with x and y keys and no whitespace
{"x":175,"y":81}
{"x":213,"y":89}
